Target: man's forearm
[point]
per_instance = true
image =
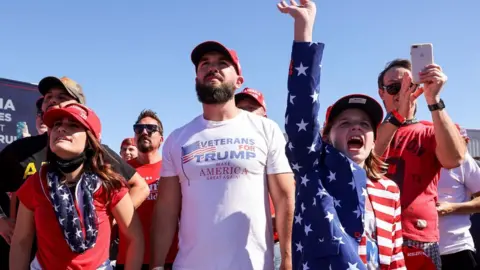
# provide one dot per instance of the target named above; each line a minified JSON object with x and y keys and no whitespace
{"x":451,"y":146}
{"x":162,"y":232}
{"x":284,"y":221}
{"x":385,"y":133}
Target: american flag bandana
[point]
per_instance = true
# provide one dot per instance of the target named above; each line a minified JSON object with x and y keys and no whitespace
{"x":67,"y":215}
{"x":331,"y":189}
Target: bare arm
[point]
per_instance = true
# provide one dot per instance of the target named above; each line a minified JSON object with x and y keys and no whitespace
{"x":282,"y":191}
{"x":129,"y":224}
{"x":22,"y":239}
{"x":165,"y":219}
{"x":451,"y":146}
{"x":139,"y":189}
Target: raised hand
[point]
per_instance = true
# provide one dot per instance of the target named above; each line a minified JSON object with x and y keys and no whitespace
{"x":407,"y":95}
{"x":304,"y":12}
{"x":304,"y":16}
{"x":433,"y":80}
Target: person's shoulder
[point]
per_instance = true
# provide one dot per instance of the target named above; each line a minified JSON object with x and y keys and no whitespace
{"x":25,"y":148}
{"x":186,"y":129}
{"x":37,"y":140}
{"x":260,"y":120}
{"x":389,"y":185}
{"x":421,"y":128}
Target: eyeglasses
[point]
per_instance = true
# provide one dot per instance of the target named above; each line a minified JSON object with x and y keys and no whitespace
{"x":150,"y":128}
{"x":394,"y":88}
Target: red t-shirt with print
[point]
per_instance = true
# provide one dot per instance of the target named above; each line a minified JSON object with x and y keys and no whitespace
{"x":151,"y":174}
{"x":414,"y":166}
{"x":53,"y":251}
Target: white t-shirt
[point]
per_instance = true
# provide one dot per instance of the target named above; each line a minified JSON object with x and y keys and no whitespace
{"x":457,"y":185}
{"x":225,"y":220}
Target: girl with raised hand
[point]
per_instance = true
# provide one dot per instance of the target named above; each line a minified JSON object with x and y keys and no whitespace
{"x":347,"y":214}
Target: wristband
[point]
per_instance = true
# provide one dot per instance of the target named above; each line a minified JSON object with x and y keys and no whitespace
{"x":437,"y":106}
{"x":395,"y":118}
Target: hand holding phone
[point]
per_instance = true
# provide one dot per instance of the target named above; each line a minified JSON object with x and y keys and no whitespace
{"x":426,"y":72}
{"x":421,"y":56}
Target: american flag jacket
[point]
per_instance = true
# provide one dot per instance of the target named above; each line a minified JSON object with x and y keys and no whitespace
{"x":328,"y":229}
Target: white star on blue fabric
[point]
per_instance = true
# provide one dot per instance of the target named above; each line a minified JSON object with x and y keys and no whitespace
{"x":302,"y":125}
{"x":314,"y":97}
{"x":301,"y":69}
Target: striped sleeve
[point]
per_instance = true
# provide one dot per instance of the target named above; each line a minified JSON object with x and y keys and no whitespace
{"x":398,"y":261}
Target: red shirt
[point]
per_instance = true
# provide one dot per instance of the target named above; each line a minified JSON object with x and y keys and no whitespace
{"x":151,"y":174}
{"x":53,"y":251}
{"x":414,"y":166}
{"x":416,"y":259}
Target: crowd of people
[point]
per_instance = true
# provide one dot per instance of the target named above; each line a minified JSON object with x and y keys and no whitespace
{"x":230,"y":191}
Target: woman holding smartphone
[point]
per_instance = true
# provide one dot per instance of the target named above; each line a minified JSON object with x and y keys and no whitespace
{"x":70,"y":203}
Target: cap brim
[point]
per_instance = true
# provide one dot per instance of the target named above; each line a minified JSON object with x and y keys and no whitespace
{"x":363,"y":102}
{"x":47,"y":83}
{"x":206,"y":47}
{"x":53,"y":115}
{"x":242,"y":96}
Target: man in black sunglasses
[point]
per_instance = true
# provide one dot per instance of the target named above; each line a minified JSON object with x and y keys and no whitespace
{"x":415,"y":150}
{"x":24,"y":157}
{"x":148,"y":131}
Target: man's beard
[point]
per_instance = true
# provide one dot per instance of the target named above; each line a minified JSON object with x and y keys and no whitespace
{"x":207,"y":94}
{"x":144,"y":146}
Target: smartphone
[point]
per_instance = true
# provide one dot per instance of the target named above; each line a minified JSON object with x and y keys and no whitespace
{"x":20,"y":127}
{"x":421,"y":55}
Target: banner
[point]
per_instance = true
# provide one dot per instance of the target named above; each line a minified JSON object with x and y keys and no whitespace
{"x":17,"y":107}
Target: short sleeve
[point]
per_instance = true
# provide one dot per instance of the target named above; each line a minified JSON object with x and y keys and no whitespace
{"x":119,"y":165}
{"x":277,"y":161}
{"x":12,"y":170}
{"x":28,"y":191}
{"x":168,"y":165}
{"x":117,"y":196}
{"x":471,"y":174}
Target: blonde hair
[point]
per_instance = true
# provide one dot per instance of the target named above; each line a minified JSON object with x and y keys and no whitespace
{"x":374,"y":166}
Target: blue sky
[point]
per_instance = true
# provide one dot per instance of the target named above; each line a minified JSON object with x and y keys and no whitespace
{"x":133,"y":55}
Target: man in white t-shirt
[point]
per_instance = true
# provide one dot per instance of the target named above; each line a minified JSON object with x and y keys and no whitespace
{"x":455,"y":190}
{"x":213,"y":179}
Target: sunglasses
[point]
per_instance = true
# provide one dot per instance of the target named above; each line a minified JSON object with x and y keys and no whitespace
{"x":394,"y":88}
{"x":150,"y":128}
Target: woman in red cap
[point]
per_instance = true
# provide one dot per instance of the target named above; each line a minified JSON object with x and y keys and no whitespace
{"x":70,"y":203}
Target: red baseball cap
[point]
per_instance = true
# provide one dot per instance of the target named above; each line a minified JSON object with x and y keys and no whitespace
{"x":251,"y":93}
{"x":356,"y":101}
{"x":214,"y":46}
{"x":80,"y":113}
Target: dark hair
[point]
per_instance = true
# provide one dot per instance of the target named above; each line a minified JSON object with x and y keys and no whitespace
{"x":96,"y":163}
{"x":374,"y":165}
{"x":149,"y":113}
{"x":402,"y":63}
